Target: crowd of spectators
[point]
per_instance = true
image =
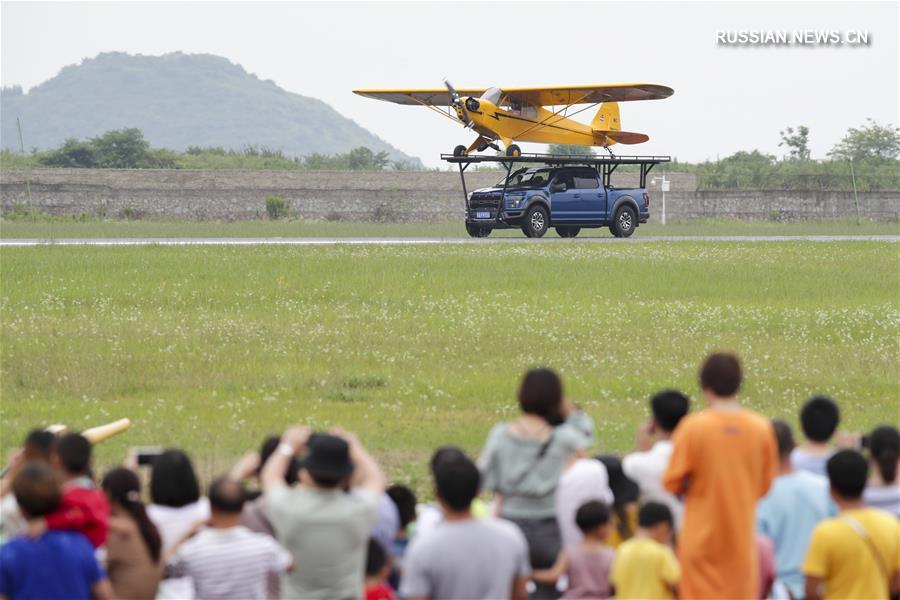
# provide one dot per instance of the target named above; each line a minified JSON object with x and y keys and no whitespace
{"x":718,"y":502}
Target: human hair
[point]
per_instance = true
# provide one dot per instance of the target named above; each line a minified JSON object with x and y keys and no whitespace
{"x":376,"y":558}
{"x":74,"y":452}
{"x":173,"y":481}
{"x":123,"y":487}
{"x":39,"y":445}
{"x":444,"y":453}
{"x":884,"y":446}
{"x":541,"y":394}
{"x":721,"y":374}
{"x":819,"y":418}
{"x":591,"y":515}
{"x":226,"y":495}
{"x":458,"y":481}
{"x":37,"y":489}
{"x":326,"y":481}
{"x":405,"y":500}
{"x":654,"y":513}
{"x":784,"y":436}
{"x":669,"y":406}
{"x":848,"y":473}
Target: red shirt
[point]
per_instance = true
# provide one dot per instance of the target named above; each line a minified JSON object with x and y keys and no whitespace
{"x":84,"y":510}
{"x":379,"y":592}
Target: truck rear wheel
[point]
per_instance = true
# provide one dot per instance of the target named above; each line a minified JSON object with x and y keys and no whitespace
{"x":624,"y":222}
{"x":567,"y":232}
{"x":536,"y":222}
{"x":478,"y":231}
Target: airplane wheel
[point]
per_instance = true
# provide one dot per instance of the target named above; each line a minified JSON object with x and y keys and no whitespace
{"x":459,"y":150}
{"x":513,"y":150}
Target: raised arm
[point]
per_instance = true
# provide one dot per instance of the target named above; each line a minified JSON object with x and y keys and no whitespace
{"x":292,"y":442}
{"x":366,"y":472}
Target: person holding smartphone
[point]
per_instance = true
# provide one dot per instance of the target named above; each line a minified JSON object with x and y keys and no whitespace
{"x":523,"y":460}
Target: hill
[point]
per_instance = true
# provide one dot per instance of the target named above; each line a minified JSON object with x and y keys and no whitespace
{"x":178,"y":100}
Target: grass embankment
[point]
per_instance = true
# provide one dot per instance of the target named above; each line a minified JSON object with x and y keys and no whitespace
{"x":60,"y":227}
{"x":211,"y":348}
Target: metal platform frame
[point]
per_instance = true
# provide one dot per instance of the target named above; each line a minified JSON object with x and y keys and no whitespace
{"x":604,"y":164}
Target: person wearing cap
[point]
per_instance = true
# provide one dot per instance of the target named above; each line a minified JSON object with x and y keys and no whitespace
{"x":325,"y":528}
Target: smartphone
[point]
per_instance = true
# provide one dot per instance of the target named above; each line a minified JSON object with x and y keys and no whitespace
{"x":146,"y":456}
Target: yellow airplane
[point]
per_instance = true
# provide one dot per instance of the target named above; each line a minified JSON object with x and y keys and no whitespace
{"x":521,"y":114}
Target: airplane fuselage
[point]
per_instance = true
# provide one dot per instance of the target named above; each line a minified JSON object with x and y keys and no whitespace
{"x":532,"y":124}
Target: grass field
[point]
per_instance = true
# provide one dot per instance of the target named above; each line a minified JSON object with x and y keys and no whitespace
{"x":210,"y":348}
{"x":58,"y":227}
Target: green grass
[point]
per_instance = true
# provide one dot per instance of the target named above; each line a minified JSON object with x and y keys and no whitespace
{"x":67,"y":227}
{"x":211,"y":348}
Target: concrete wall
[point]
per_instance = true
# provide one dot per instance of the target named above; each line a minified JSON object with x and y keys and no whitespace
{"x":381,"y":196}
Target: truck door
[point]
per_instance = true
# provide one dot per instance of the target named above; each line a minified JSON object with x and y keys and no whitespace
{"x":563,"y":198}
{"x":590,"y":195}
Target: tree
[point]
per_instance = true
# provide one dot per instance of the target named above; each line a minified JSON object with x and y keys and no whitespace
{"x":797,"y":142}
{"x":122,"y":149}
{"x":363,"y":159}
{"x":873,"y":142}
{"x":72,"y":154}
{"x":569,"y":149}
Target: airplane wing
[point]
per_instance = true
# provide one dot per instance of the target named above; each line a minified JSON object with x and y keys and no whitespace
{"x":428,"y":97}
{"x":588,"y":94}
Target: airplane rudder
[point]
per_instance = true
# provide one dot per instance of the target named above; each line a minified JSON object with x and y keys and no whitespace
{"x":607,"y":118}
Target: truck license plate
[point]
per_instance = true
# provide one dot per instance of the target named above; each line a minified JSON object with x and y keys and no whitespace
{"x":483,"y":214}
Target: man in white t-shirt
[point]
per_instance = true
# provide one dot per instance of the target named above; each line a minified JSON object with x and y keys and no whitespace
{"x":584,"y":479}
{"x":465,"y":557}
{"x":225,"y":559}
{"x":654,"y":441}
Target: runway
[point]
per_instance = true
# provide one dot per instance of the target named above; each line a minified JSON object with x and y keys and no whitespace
{"x":18,"y":243}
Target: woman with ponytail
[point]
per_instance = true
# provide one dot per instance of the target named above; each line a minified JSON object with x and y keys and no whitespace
{"x":883,"y":489}
{"x":134,"y":547}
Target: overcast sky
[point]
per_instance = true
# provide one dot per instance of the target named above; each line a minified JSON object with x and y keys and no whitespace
{"x":726,"y":98}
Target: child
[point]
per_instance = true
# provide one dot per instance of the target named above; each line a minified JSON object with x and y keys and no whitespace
{"x":52,"y":564}
{"x":645,"y":566}
{"x":378,"y":569}
{"x":855,"y":554}
{"x":819,"y":418}
{"x":83,"y":507}
{"x":586,"y":563}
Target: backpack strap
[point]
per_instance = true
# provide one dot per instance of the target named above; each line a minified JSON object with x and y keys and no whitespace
{"x":859,"y":529}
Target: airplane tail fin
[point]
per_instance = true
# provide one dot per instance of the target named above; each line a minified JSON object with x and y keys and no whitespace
{"x":608,"y":128}
{"x":607,"y":118}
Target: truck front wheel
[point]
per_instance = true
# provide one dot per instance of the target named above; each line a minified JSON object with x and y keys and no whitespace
{"x":536,"y":222}
{"x":624,"y":222}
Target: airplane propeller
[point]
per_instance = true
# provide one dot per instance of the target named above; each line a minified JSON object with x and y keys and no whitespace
{"x":458,"y":104}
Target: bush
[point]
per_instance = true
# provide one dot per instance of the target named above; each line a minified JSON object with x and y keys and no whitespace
{"x":276,"y":207}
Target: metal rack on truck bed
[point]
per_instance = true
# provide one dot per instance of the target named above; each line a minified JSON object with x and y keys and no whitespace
{"x":496,"y":211}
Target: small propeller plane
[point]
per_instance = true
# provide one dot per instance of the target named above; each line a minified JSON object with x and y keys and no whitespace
{"x":522,"y":114}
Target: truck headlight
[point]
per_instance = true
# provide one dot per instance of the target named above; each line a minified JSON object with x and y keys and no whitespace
{"x":515,"y":200}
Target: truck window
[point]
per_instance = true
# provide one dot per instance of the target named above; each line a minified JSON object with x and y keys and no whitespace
{"x":586,"y":180}
{"x":566,"y":178}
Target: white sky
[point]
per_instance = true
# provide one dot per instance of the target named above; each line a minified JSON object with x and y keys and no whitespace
{"x":726,"y":98}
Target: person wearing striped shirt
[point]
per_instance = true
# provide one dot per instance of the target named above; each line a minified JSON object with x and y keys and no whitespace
{"x":223,"y":558}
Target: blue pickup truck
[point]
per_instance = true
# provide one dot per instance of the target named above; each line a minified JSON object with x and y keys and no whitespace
{"x":567,"y":198}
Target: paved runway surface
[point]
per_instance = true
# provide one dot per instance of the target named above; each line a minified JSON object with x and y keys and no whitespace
{"x":427,"y":241}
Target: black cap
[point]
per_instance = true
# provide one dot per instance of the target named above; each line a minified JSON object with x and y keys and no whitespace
{"x":328,"y":457}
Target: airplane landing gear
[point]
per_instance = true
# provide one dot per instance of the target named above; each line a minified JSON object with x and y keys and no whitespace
{"x":513,"y":150}
{"x":459,"y":150}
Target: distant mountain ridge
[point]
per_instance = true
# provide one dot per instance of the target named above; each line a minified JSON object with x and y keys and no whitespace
{"x":178,"y":100}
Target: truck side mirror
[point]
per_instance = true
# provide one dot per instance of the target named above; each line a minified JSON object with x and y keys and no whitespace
{"x":558,"y":186}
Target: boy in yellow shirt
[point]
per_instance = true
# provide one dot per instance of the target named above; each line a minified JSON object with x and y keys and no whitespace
{"x":857,"y":553}
{"x":645,"y":566}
